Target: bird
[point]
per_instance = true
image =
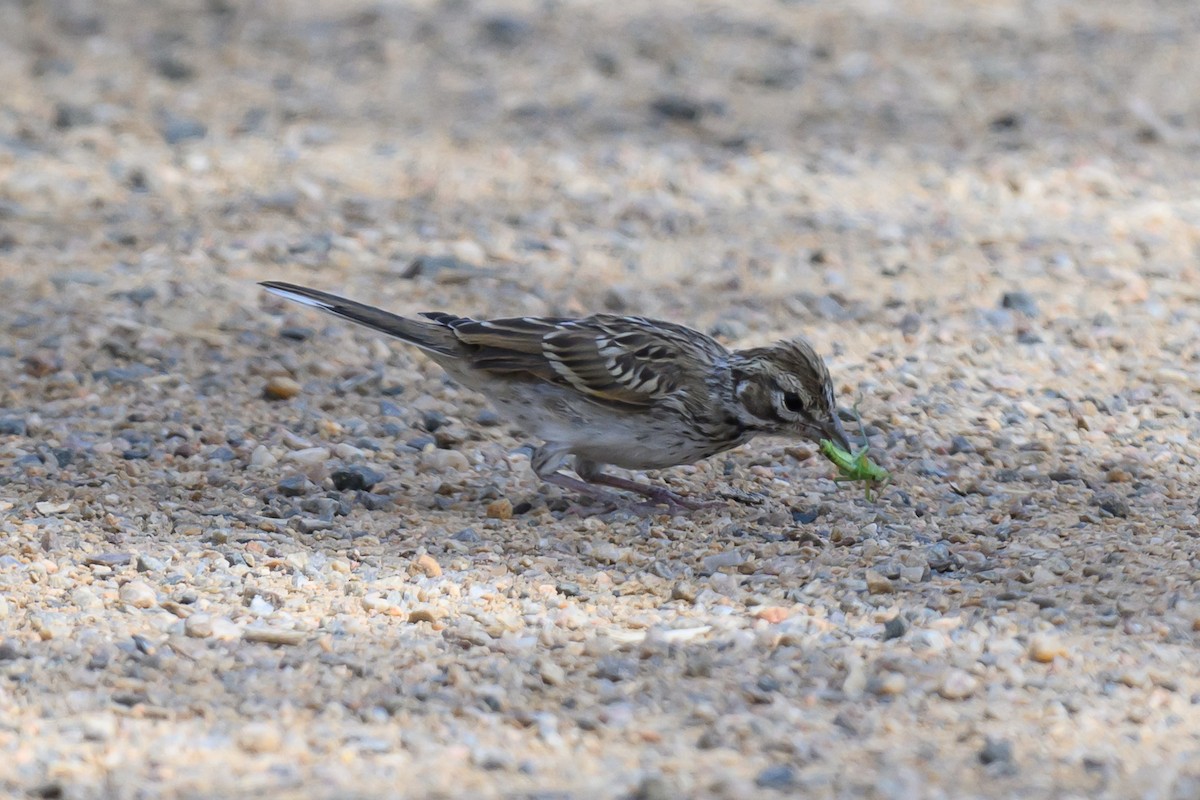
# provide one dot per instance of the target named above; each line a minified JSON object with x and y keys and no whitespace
{"x":615,"y":390}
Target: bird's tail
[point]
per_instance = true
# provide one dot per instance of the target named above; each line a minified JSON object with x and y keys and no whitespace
{"x":428,"y":335}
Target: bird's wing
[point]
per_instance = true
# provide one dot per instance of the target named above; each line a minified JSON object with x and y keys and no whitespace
{"x":628,"y":360}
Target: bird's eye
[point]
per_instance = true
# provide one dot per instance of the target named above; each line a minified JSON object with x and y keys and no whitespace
{"x":793,"y":403}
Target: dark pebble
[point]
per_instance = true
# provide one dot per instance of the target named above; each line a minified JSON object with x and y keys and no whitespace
{"x":1113,"y":504}
{"x":506,"y":30}
{"x":939,"y":557}
{"x":356,"y":477}
{"x":1008,"y":121}
{"x":9,"y":651}
{"x":432,"y":420}
{"x":523,"y":507}
{"x":296,"y":334}
{"x":294,"y":486}
{"x":173,"y":69}
{"x":12,"y":426}
{"x":910,"y":323}
{"x":778,"y":776}
{"x":394,"y":390}
{"x":63,"y":455}
{"x":1022,"y":302}
{"x":389,"y":409}
{"x":678,"y":107}
{"x":488,"y":418}
{"x":136,"y":454}
{"x":894,"y":628}
{"x":996,"y":751}
{"x":392,"y":429}
{"x":1028,"y":337}
{"x":1063,"y":475}
{"x":568,"y":589}
{"x":467,"y":535}
{"x":420,"y":443}
{"x":67,"y":115}
{"x":805,"y":516}
{"x":222,"y":454}
{"x":175,"y":129}
{"x":372,"y":501}
{"x":960,"y":444}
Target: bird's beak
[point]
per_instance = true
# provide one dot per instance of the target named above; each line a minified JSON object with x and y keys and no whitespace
{"x":834,"y":432}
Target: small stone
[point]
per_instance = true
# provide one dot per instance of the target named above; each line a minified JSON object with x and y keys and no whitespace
{"x":281,"y":387}
{"x":467,"y":535}
{"x":1022,"y":302}
{"x":225,"y":629}
{"x":198,"y":626}
{"x":878,"y":584}
{"x":652,"y":787}
{"x":894,"y":628}
{"x":717,"y":561}
{"x":427,"y":564}
{"x":957,"y":685}
{"x":996,"y":751}
{"x":776,"y":776}
{"x":357,"y":477}
{"x":678,"y":107}
{"x":149,"y":564}
{"x":445,"y":461}
{"x":500,"y":509}
{"x":888,"y":684}
{"x":506,"y":30}
{"x":422,"y":615}
{"x":551,"y":673}
{"x":173,"y":69}
{"x":47,"y":509}
{"x":86,"y":599}
{"x":262,"y":457}
{"x":1113,"y":504}
{"x":260,"y":737}
{"x":1044,"y":648}
{"x":12,"y":426}
{"x":138,"y":594}
{"x":772,"y":614}
{"x":683,"y":591}
{"x":273,"y":635}
{"x":568,"y":589}
{"x":294,"y":486}
{"x":309,"y":456}
{"x":488,"y":418}
{"x":108,"y":559}
{"x":175,"y":129}
{"x":69,"y":115}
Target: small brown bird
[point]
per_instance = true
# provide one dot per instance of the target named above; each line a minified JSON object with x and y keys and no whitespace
{"x":633,"y":392}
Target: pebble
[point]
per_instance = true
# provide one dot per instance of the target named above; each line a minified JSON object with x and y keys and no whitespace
{"x":445,"y":461}
{"x":957,"y":685}
{"x":722,"y":560}
{"x":996,"y":751}
{"x":281,"y":387}
{"x":309,"y":456}
{"x":429,"y":565}
{"x":500,"y":509}
{"x":294,"y":486}
{"x":262,"y":457}
{"x":1022,"y":302}
{"x":878,"y":584}
{"x":260,"y":737}
{"x":273,"y":635}
{"x":138,"y":594}
{"x":894,"y":628}
{"x":12,"y":426}
{"x":776,"y":776}
{"x":198,"y":626}
{"x":355,"y":478}
{"x":1044,"y":648}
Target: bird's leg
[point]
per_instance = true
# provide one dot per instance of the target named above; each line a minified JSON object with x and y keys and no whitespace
{"x":584,"y":488}
{"x":591,"y":473}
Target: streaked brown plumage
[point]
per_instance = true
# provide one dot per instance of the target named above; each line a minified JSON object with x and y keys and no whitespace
{"x":606,"y":389}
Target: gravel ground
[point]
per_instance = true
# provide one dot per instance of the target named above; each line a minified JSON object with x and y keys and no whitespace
{"x":249,"y":548}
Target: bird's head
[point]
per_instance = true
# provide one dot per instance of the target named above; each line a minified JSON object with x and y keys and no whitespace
{"x":785,"y":390}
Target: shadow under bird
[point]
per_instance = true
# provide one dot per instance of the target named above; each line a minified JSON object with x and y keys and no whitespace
{"x":616,"y":390}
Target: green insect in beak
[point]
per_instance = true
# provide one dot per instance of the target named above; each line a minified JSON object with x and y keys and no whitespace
{"x":856,"y":466}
